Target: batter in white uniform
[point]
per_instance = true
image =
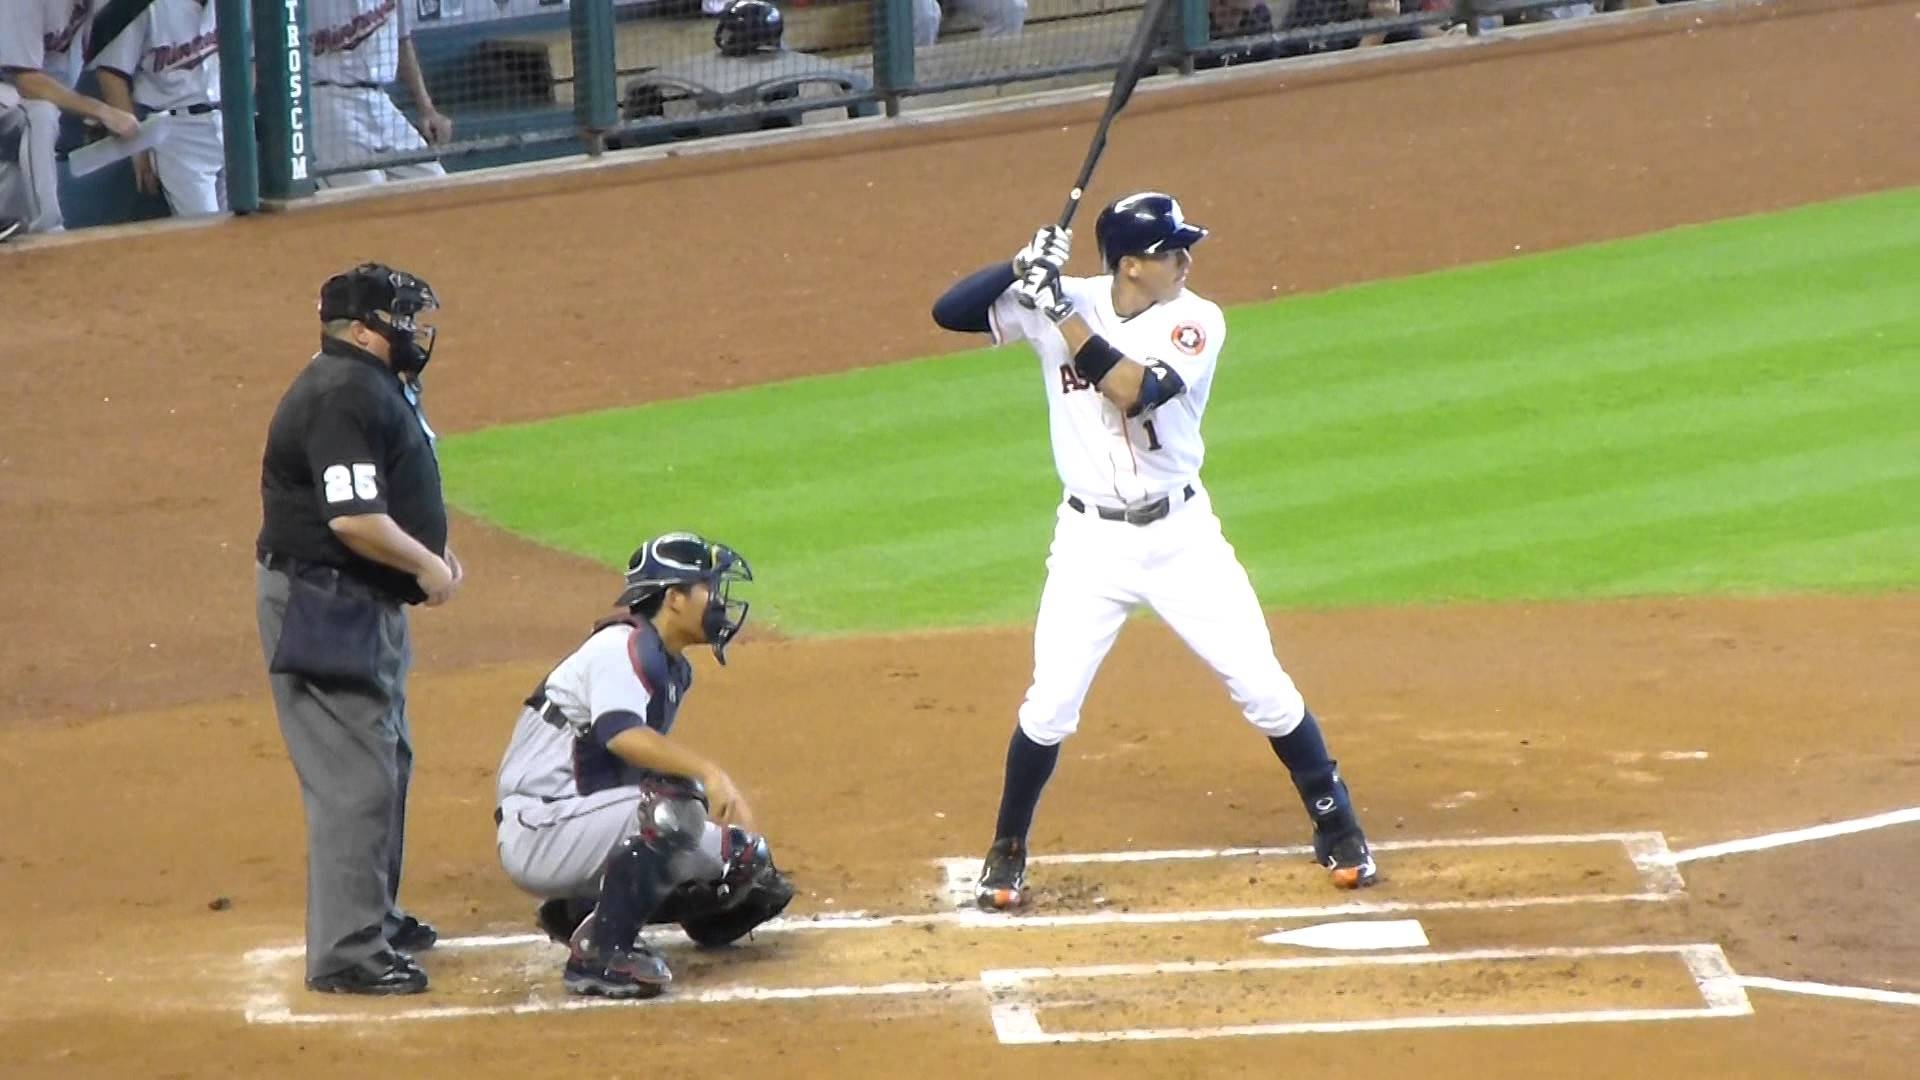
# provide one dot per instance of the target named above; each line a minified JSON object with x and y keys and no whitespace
{"x":41,"y":45}
{"x":606,"y":819}
{"x":360,"y":46}
{"x":170,"y":56}
{"x":1127,"y":362}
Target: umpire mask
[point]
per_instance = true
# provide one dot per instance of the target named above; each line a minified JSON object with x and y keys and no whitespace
{"x":389,"y":302}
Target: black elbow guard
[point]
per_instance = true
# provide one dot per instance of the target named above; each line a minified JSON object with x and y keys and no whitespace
{"x":1158,"y":386}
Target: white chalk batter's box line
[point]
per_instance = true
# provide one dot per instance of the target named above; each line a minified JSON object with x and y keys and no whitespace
{"x":1016,"y":1019}
{"x":1648,"y":851}
{"x":1652,"y":859}
{"x":1720,"y":989}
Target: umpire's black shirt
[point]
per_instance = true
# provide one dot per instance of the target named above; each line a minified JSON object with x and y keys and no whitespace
{"x":348,"y":438}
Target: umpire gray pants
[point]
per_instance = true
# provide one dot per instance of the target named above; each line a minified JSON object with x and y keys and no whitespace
{"x":352,"y":752}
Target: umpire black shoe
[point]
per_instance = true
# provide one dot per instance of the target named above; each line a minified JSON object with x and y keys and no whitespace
{"x":386,"y":973}
{"x":10,"y":227}
{"x":413,"y":936}
{"x":1003,"y":876}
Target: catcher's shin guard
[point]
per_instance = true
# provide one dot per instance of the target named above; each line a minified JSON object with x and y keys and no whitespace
{"x":605,"y":956}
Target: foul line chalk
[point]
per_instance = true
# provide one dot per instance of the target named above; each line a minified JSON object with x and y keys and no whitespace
{"x":259,"y":1013}
{"x":1851,"y":993}
{"x":1798,"y":836}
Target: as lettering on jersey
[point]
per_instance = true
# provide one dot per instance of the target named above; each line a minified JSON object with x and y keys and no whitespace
{"x":1070,"y":380}
{"x":355,"y":32}
{"x":1189,"y":338}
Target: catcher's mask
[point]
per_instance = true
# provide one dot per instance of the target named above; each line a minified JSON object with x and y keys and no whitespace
{"x":682,"y":558}
{"x":388,"y":302}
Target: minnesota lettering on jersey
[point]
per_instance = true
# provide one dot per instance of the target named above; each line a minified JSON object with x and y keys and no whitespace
{"x":59,"y":40}
{"x":355,"y":32}
{"x":187,"y":54}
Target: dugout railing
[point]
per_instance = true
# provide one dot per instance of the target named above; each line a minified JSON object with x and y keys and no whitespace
{"x":521,"y":80}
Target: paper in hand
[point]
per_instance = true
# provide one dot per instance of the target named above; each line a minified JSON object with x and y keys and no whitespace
{"x":101,"y":153}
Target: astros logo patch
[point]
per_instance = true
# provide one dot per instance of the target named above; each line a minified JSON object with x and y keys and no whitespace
{"x":1189,"y":338}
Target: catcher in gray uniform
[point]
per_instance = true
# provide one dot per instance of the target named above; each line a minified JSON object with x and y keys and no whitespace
{"x":603,"y":817}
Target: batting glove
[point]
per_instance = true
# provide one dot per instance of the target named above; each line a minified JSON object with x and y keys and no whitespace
{"x":1040,"y":291}
{"x":1050,"y":246}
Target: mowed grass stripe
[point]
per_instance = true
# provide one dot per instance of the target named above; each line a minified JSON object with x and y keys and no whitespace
{"x":1726,"y":407}
{"x":1632,"y":559}
{"x":1834,"y":248}
{"x":1625,"y":454}
{"x":1580,"y":542}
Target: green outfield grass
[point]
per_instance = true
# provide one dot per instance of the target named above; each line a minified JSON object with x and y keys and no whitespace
{"x":1730,"y":408}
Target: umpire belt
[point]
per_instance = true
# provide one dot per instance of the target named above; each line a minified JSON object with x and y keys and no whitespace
{"x":1143,"y":514}
{"x":320,"y":575}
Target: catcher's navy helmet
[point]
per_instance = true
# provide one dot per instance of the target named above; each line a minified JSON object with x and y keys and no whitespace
{"x":747,"y":27}
{"x":682,"y":558}
{"x":1144,"y":224}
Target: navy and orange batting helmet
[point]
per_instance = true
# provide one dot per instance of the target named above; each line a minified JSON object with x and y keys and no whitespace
{"x":1146,"y":223}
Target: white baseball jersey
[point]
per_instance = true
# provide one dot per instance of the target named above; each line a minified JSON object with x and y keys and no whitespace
{"x":1101,"y":455}
{"x":357,"y":42}
{"x":171,"y":54}
{"x":45,"y":35}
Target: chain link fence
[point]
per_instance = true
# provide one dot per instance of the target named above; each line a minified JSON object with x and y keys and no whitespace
{"x":407,"y":88}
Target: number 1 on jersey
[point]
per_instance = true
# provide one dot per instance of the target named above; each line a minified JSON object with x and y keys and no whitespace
{"x":1153,"y":437}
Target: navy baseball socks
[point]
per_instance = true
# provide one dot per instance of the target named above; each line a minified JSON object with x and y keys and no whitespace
{"x":1003,"y":876}
{"x":1338,"y":843}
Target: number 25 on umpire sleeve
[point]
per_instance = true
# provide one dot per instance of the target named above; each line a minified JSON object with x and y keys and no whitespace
{"x":344,"y":486}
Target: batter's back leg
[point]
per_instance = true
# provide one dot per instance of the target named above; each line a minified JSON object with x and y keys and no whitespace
{"x":1211,"y":605}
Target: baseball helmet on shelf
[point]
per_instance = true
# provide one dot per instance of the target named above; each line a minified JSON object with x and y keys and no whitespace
{"x":1147,"y":223}
{"x":747,"y":27}
{"x":683,"y":558}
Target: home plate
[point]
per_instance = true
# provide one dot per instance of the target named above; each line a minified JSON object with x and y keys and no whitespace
{"x":1354,"y":935}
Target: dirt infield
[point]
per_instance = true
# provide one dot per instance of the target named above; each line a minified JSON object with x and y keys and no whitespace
{"x":1526,"y":769}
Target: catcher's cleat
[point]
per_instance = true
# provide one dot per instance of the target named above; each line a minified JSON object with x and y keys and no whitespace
{"x":621,"y":973}
{"x":1003,"y":876}
{"x":1347,"y":858}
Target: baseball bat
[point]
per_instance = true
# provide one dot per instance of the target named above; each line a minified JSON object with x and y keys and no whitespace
{"x":1133,"y":64}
